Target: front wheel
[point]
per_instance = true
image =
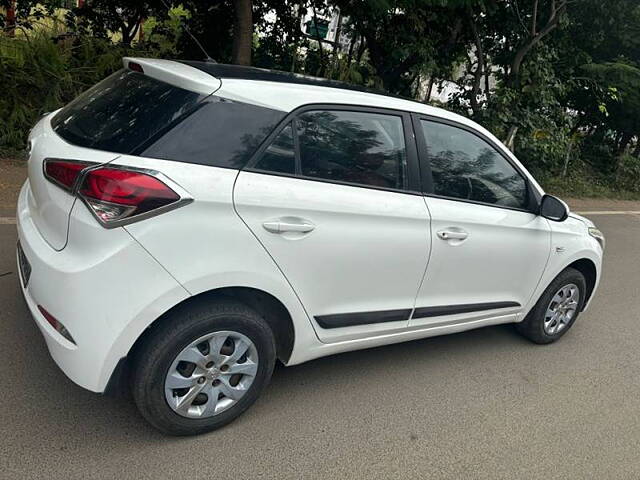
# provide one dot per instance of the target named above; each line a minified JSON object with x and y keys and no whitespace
{"x":557,"y":309}
{"x":203,"y":367}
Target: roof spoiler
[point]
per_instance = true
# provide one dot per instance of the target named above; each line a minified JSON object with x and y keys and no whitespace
{"x":174,"y":73}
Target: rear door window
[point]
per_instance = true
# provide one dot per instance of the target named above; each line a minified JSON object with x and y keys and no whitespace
{"x":360,"y":148}
{"x":280,"y":155}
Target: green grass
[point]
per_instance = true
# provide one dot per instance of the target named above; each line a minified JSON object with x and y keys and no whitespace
{"x":578,"y":186}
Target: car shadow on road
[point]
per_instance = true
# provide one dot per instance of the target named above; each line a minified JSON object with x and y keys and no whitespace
{"x":58,"y":404}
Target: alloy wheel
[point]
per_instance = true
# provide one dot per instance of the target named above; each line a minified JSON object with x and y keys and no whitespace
{"x":562,"y":308}
{"x":211,"y":374}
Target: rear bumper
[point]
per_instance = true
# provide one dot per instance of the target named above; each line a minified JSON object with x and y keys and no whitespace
{"x":104,"y":287}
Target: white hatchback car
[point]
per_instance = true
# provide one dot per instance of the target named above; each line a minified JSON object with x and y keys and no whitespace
{"x":185,"y":224}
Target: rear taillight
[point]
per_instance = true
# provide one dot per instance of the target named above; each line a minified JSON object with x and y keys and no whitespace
{"x":64,"y":173}
{"x":116,"y":195}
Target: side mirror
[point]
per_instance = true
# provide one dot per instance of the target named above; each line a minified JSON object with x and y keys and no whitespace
{"x":553,"y":208}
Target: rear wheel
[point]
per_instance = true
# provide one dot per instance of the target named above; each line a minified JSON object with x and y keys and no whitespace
{"x":203,"y":367}
{"x":557,"y":309}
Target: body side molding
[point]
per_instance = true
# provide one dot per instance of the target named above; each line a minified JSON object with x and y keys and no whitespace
{"x":340,"y":320}
{"x":438,"y":311}
{"x":362,"y":318}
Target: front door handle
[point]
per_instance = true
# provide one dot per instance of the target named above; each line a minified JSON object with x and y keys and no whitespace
{"x":279,"y":226}
{"x":452,"y":234}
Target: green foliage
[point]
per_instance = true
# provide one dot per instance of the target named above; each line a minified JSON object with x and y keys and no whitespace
{"x":559,"y":79}
{"x":628,"y":173}
{"x":620,"y":109}
{"x":44,"y":71}
{"x":163,"y":34}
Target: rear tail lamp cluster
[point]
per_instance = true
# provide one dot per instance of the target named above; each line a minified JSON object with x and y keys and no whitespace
{"x":115,"y":195}
{"x":64,"y":173}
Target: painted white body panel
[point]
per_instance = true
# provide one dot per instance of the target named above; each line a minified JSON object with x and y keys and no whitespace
{"x":501,"y":260}
{"x":103,"y":287}
{"x":370,"y":250}
{"x":177,"y":74}
{"x":570,"y":242}
{"x":49,"y":205}
{"x":367,"y":252}
{"x":206,"y":246}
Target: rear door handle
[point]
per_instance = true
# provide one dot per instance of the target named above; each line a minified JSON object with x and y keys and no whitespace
{"x":282,"y":226}
{"x":452,"y":234}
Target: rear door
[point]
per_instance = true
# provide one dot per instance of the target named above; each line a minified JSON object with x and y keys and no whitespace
{"x":333,"y":197}
{"x":489,"y":247}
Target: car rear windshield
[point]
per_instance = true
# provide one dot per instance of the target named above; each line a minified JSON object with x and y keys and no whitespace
{"x":135,"y":114}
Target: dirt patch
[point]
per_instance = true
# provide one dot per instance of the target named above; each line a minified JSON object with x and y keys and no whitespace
{"x":13,"y":173}
{"x":601,"y":204}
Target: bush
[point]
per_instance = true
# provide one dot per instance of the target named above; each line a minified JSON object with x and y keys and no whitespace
{"x":43,"y":70}
{"x":628,"y":173}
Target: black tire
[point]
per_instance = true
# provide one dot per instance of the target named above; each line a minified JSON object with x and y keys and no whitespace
{"x":533,"y":325}
{"x":180,"y":328}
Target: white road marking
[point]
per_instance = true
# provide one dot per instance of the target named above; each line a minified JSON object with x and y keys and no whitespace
{"x":611,"y":212}
{"x":7,"y":220}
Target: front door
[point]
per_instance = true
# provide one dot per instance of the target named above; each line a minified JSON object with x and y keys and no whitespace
{"x":331,"y":199}
{"x":489,"y":248}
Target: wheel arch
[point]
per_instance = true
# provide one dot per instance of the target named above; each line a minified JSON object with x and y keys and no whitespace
{"x":274,"y":312}
{"x":585,"y":261}
{"x":588,"y":269}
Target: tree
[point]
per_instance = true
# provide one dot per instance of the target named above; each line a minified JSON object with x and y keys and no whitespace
{"x":242,"y":32}
{"x":405,"y":38}
{"x":535,"y":30}
{"x":122,"y":16}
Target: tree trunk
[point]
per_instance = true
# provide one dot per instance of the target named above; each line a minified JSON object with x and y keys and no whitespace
{"x":477,"y":75}
{"x":132,"y":29}
{"x":567,"y":157}
{"x":624,"y":142}
{"x":352,"y":43}
{"x":535,"y":37}
{"x":242,"y":32}
{"x":429,"y":89}
{"x":11,"y":19}
{"x":362,"y":46}
{"x":487,"y":75}
{"x":510,"y":141}
{"x":336,"y":41}
{"x":294,"y":56}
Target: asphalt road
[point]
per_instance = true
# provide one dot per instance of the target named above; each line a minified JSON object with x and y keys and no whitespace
{"x":481,"y":404}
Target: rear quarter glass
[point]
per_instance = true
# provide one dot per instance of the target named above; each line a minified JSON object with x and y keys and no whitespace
{"x":134,"y":114}
{"x":219,"y":132}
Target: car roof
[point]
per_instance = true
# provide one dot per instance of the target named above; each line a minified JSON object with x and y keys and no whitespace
{"x":315,"y":89}
{"x":223,"y":70}
{"x":280,"y":90}
{"x":287,"y":91}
